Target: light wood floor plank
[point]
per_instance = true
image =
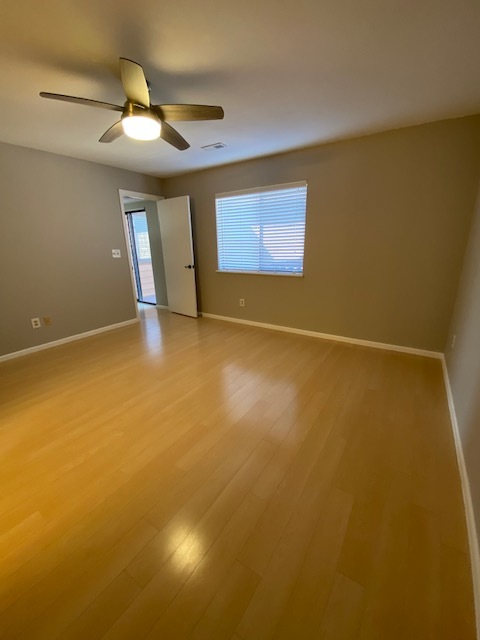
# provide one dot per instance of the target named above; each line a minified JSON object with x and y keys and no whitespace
{"x":346,"y":596}
{"x":227,"y":606}
{"x":101,"y":614}
{"x":191,"y":479}
{"x":203,"y":517}
{"x":279,"y":576}
{"x":308,"y":599}
{"x":76,"y":596}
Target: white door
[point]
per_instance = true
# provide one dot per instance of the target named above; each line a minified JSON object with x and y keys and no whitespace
{"x":177,"y":246}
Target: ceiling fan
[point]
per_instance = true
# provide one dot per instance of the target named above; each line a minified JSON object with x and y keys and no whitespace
{"x":140,"y":119}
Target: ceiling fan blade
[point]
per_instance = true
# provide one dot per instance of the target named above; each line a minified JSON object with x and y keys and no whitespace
{"x":171,"y":136}
{"x":115,"y":131}
{"x":134,"y":82}
{"x":85,"y":101}
{"x":177,"y":112}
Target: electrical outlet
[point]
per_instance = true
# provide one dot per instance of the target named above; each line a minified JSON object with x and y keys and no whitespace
{"x":453,"y":340}
{"x":47,"y":321}
{"x":116,"y":253}
{"x":35,"y":323}
{"x":242,"y":302}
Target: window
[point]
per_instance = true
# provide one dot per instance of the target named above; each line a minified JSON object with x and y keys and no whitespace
{"x":262,"y":230}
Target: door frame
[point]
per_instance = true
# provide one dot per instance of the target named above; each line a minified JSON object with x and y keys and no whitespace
{"x":140,"y":196}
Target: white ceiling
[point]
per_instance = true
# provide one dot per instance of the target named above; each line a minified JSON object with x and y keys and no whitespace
{"x":288,"y":73}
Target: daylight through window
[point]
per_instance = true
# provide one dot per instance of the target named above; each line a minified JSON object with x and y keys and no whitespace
{"x":262,"y":230}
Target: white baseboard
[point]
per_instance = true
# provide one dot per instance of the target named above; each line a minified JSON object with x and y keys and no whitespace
{"x":329,"y":336}
{"x":467,"y":499}
{"x":56,"y":343}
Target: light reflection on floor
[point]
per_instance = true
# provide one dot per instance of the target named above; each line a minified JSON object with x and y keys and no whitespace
{"x":151,"y":327}
{"x":189,"y":549}
{"x":261,"y":385}
{"x":227,"y":378}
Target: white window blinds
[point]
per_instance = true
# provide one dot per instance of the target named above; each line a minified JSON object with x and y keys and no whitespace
{"x":262,"y":230}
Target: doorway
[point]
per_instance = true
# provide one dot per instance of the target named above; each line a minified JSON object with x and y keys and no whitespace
{"x":141,"y":256}
{"x":169,"y":251}
{"x":144,"y":248}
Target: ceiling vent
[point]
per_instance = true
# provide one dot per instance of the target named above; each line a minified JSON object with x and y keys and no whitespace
{"x":215,"y":145}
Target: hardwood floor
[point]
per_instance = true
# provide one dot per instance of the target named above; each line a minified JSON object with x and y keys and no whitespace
{"x":194,"y":479}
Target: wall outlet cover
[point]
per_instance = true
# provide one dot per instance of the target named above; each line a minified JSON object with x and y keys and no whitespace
{"x":116,"y":253}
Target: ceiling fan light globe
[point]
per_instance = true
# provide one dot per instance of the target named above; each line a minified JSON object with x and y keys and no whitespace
{"x":141,"y":127}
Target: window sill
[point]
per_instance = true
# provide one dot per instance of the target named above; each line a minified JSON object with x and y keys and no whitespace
{"x":263,"y":273}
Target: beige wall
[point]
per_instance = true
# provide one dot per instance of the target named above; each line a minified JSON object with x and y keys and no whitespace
{"x":60,"y":220}
{"x":387,"y":223}
{"x":463,"y":361}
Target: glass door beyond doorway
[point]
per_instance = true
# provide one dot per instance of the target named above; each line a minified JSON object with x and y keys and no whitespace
{"x":141,"y":256}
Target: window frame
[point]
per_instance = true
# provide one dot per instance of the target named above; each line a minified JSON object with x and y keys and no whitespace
{"x":259,"y":190}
